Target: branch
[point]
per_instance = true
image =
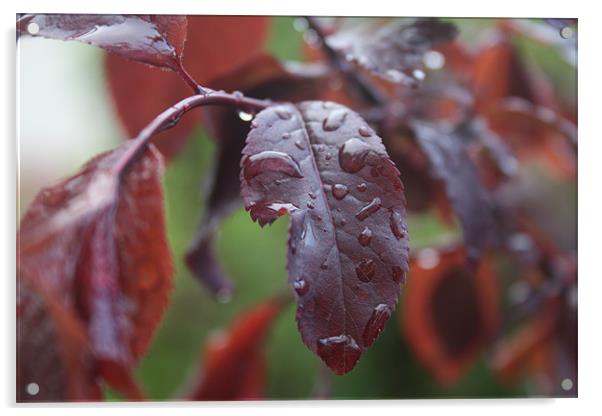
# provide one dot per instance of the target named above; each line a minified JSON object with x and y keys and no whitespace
{"x":170,"y":117}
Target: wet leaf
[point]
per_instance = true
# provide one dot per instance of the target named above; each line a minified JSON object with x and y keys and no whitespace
{"x":393,"y":51}
{"x":52,"y":350}
{"x":450,"y":163}
{"x":233,"y":366}
{"x":97,"y":244}
{"x":153,"y":40}
{"x":214,"y":46}
{"x":261,"y":77}
{"x":449,"y":310}
{"x":348,"y":242}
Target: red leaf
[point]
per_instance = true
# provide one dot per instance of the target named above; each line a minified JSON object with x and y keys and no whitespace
{"x":450,"y":163}
{"x":215,"y":45}
{"x":348,"y":242}
{"x":98,"y":245}
{"x":233,"y":360}
{"x":153,"y":40}
{"x":449,"y":311}
{"x":393,"y":51}
{"x":52,"y":349}
{"x":262,"y":77}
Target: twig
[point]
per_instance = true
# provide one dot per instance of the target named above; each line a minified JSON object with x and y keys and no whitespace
{"x":173,"y":114}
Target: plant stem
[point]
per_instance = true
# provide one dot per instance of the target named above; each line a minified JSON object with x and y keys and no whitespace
{"x":187,"y":78}
{"x":170,"y":117}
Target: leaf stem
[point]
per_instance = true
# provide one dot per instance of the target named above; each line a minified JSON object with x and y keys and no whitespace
{"x":170,"y":117}
{"x":187,"y":78}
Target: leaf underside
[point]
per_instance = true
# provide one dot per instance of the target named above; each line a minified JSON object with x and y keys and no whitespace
{"x":348,"y":244}
{"x":96,"y":245}
{"x":153,"y":40}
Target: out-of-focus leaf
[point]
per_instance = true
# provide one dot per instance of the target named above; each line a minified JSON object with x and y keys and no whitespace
{"x":393,"y":51}
{"x":153,"y":40}
{"x":233,"y":365}
{"x":52,"y":349}
{"x":261,"y":77}
{"x":537,"y":132}
{"x":446,"y":150}
{"x":348,"y":243}
{"x":215,"y":45}
{"x":449,"y":310}
{"x":96,"y":243}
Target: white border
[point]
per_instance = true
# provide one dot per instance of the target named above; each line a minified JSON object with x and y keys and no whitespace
{"x":590,"y":209}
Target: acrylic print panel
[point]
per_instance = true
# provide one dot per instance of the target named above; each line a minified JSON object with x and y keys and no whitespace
{"x":425,"y":169}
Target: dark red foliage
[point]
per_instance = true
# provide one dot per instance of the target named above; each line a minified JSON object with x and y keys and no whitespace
{"x":52,"y":349}
{"x":393,"y":51}
{"x":96,"y":244}
{"x":233,"y":365}
{"x":262,"y":77}
{"x":450,"y":310}
{"x":240,"y":39}
{"x":153,"y":40}
{"x":451,"y":164}
{"x":348,"y":243}
{"x":94,"y":267}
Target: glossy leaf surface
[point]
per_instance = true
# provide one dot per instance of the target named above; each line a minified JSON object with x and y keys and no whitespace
{"x":348,"y":243}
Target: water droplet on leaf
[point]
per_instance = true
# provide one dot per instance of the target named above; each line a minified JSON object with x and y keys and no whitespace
{"x":300,"y":286}
{"x":397,"y":227}
{"x":352,"y":154}
{"x":334,"y":119}
{"x":270,"y":161}
{"x":369,"y":209}
{"x":375,"y":324}
{"x":340,"y":352}
{"x":365,"y":270}
{"x":244,"y":116}
{"x":339,"y":191}
{"x":365,"y":236}
{"x":365,"y":131}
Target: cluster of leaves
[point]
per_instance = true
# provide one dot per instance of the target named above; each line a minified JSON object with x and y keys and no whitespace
{"x":323,"y":141}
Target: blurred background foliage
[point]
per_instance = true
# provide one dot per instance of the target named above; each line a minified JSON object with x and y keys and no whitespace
{"x":82,"y":124}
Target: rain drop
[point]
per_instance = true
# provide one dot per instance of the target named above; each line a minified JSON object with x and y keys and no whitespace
{"x":369,"y":209}
{"x":397,"y":227}
{"x":365,"y":131}
{"x":340,"y":352}
{"x":286,"y":135}
{"x":365,"y":236}
{"x":311,"y":195}
{"x":352,"y":154}
{"x":244,"y":116}
{"x":335,"y":119}
{"x":398,"y":274}
{"x":300,"y":286}
{"x":427,"y":258}
{"x":418,"y":74}
{"x":300,"y":145}
{"x":310,"y":205}
{"x":283,"y":113}
{"x":365,"y":270}
{"x":324,"y":266}
{"x":270,"y":161}
{"x":380,"y":315}
{"x":362,"y":187}
{"x":33,"y":28}
{"x":339,"y":191}
{"x":433,"y":60}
